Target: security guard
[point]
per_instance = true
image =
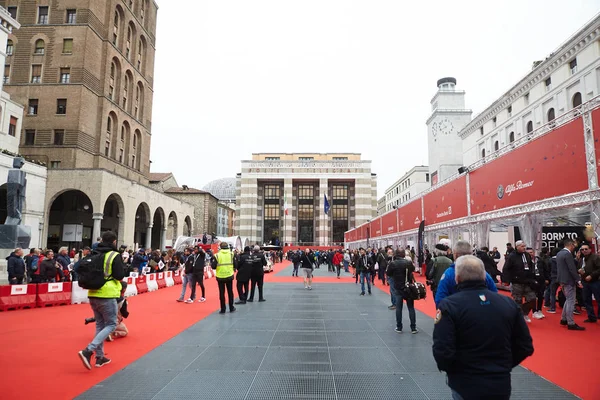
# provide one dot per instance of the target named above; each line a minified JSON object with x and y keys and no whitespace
{"x":244,"y":271}
{"x":479,"y":336}
{"x":223,"y":263}
{"x":258,"y":273}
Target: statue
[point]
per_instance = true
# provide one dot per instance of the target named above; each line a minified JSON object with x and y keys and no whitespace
{"x":15,"y":191}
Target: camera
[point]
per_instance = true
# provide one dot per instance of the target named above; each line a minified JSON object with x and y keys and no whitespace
{"x":90,"y":320}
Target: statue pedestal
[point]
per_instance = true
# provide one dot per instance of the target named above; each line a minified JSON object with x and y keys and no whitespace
{"x":12,"y":236}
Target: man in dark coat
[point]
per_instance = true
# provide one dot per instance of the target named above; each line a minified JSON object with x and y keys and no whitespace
{"x":244,"y":271}
{"x":479,"y":336}
{"x":15,"y":267}
{"x":258,"y":274}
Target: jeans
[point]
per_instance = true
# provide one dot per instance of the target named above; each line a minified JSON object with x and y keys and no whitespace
{"x":392,"y":290}
{"x":567,"y":312}
{"x":365,"y":275}
{"x":226,"y":283}
{"x":550,"y":295}
{"x":105,"y":312}
{"x":590,"y":288}
{"x":346,"y":266}
{"x":199,"y":279}
{"x":411,"y":311}
{"x":339,"y":269}
{"x":540,"y":296}
{"x":185,"y":278}
{"x":295,"y":271}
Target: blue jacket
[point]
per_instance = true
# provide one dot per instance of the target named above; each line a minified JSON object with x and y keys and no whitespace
{"x":478,"y":338}
{"x":447,"y":285}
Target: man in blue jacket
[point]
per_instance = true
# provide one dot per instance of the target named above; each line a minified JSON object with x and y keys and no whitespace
{"x":447,"y":285}
{"x":479,"y":336}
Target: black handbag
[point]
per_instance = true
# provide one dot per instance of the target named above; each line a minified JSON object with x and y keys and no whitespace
{"x":415,"y":290}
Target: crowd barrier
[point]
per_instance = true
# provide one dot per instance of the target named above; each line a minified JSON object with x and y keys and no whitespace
{"x":177,"y":278}
{"x":160,"y":280}
{"x":141,"y":284}
{"x":131,"y":289}
{"x":15,"y":297}
{"x":53,"y":294}
{"x":169,"y":278}
{"x":152,"y":283}
{"x":79,"y":295}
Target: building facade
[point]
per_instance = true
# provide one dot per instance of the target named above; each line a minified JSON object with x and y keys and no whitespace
{"x":11,"y":112}
{"x":84,"y":69}
{"x":381,"y":205}
{"x":224,"y":220}
{"x":407,"y":187}
{"x":282,"y":197}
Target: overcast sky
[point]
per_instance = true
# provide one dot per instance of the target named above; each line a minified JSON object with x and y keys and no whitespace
{"x":237,"y":77}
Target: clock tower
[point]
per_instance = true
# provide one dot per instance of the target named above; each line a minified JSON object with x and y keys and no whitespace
{"x":448,"y":117}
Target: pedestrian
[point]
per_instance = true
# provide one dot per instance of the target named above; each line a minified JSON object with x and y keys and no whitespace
{"x":15,"y":266}
{"x":569,"y":279}
{"x":541,"y":271}
{"x":187,"y":277}
{"x":338,"y":259}
{"x":347,"y":260}
{"x":257,"y":276}
{"x":519,"y":272}
{"x":390,"y":279}
{"x":104,"y":300}
{"x":381,"y":265}
{"x":197,"y":262}
{"x":307,"y":269}
{"x":447,"y":284}
{"x":363,"y":268}
{"x":550,"y":295}
{"x":244,"y":272}
{"x":590,"y":276}
{"x":49,"y":268}
{"x":440,"y":264}
{"x":479,"y":336}
{"x":401,"y":270}
{"x":222,"y":262}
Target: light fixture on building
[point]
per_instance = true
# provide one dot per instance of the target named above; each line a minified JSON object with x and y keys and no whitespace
{"x":86,"y":207}
{"x":462,"y":170}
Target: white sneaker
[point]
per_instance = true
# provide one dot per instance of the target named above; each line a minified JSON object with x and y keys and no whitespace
{"x":527,"y":319}
{"x":189,"y":301}
{"x":309,"y":288}
{"x":538,"y":315}
{"x":202,"y":300}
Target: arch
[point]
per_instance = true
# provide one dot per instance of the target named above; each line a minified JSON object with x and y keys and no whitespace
{"x":127,"y":89}
{"x":130,"y":40}
{"x":172,"y":228}
{"x":136,"y":149}
{"x":142,"y":223}
{"x":551,"y":115}
{"x":3,"y":203}
{"x":70,"y":207}
{"x":40,"y":47}
{"x":141,"y":54}
{"x":113,"y":218}
{"x":576,"y":100}
{"x":187,"y":227}
{"x":110,"y":143}
{"x":114,"y":79}
{"x":511,"y":136}
{"x":496,"y":145}
{"x":138,"y":107}
{"x":529,"y":126}
{"x":158,"y":224}
{"x":118,"y":19}
{"x":125,"y":142}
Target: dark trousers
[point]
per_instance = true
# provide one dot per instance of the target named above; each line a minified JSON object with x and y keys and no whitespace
{"x":200,"y":280}
{"x":256,"y":280}
{"x":381,"y":274}
{"x":550,"y":295}
{"x":410,"y":304}
{"x":226,"y":283}
{"x":590,"y":288}
{"x":339,"y":269}
{"x":17,"y":280}
{"x":540,"y":296}
{"x":242,"y":289}
{"x":295,"y":271}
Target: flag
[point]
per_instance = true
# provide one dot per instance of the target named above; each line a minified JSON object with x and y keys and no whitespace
{"x":326,"y":205}
{"x":285,"y":204}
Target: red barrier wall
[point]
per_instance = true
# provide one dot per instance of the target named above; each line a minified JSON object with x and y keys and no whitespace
{"x":14,"y":297}
{"x":447,"y":202}
{"x":314,"y":248}
{"x":409,"y":216}
{"x":51,"y":294}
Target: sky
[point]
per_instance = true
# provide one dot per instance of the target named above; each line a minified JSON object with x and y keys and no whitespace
{"x":238,"y":77}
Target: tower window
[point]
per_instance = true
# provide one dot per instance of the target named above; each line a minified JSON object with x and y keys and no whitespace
{"x":548,"y":83}
{"x":71,"y":17}
{"x":61,"y":106}
{"x":573,"y":66}
{"x":65,"y":75}
{"x":9,"y":47}
{"x":29,"y":137}
{"x":40,"y":46}
{"x":43,"y":15}
{"x":59,"y":137}
{"x":67,"y":46}
{"x":32,"y":109}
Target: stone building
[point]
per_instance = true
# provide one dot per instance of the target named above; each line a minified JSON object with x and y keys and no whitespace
{"x":282,"y":196}
{"x":205,"y":208}
{"x":84,"y":69}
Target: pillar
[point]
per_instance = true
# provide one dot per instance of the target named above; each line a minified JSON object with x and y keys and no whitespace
{"x":287,"y":219}
{"x":323,"y":231}
{"x":163,"y":239}
{"x":148,"y":237}
{"x":96,"y":230}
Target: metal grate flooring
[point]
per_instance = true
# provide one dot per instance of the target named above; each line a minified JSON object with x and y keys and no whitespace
{"x":327,"y":343}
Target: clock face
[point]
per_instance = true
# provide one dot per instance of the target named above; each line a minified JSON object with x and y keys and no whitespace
{"x":446,"y":127}
{"x":435,"y":129}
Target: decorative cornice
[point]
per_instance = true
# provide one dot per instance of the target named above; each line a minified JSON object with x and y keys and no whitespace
{"x":555,"y":60}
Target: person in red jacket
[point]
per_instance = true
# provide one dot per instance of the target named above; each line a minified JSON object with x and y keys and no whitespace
{"x":338,"y":259}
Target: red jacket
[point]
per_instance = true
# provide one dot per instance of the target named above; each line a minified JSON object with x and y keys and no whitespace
{"x":338,"y":258}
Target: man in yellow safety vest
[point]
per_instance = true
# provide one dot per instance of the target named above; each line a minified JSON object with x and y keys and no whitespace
{"x":223,"y":263}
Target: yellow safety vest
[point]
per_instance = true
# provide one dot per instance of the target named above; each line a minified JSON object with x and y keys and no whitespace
{"x":112,"y":287}
{"x":224,"y":264}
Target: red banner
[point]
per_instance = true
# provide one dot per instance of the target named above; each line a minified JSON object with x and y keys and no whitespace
{"x":375,"y":227}
{"x":549,"y":166}
{"x":596,"y":125}
{"x":447,"y":202}
{"x":389,"y":223}
{"x":409,"y":216}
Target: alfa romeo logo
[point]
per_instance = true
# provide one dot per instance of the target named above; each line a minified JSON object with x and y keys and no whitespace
{"x":500,"y":192}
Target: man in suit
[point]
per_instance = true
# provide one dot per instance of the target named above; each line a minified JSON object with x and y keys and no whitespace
{"x":569,"y":279}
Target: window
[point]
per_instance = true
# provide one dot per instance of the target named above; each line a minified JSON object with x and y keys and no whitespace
{"x":121,"y":156}
{"x":54,"y":164}
{"x":65,"y":75}
{"x":67,"y":46}
{"x":125,"y":91}
{"x":12,"y":127}
{"x":306,"y":158}
{"x":12,"y":11}
{"x":509,"y":111}
{"x":43,"y":15}
{"x":6,"y":78}
{"x":9,"y":47}
{"x":139,"y":55}
{"x":511,"y":137}
{"x":29,"y":137}
{"x":272,"y":158}
{"x":142,"y":10}
{"x":134,"y":141}
{"x":61,"y":106}
{"x":551,"y":115}
{"x":116,"y":28}
{"x":133,"y":160}
{"x":573,"y":66}
{"x":39,"y":47}
{"x":576,"y":100}
{"x":36,"y":73}
{"x":71,"y":17}
{"x":32,"y":108}
{"x":494,"y":121}
{"x":128,"y":44}
{"x":107,"y":148}
{"x":109,"y":126}
{"x":123,"y":133}
{"x":340,"y":158}
{"x":529,"y":126}
{"x":526,"y":99}
{"x":426,"y":177}
{"x":548,"y":83}
{"x":481,"y":131}
{"x":137,"y":102}
{"x":59,"y":137}
{"x":496,"y":145}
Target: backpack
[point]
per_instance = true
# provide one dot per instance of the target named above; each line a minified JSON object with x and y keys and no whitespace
{"x":93,"y":274}
{"x":35,"y":263}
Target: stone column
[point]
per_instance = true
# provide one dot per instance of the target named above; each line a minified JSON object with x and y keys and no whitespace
{"x":163,"y":239}
{"x":97,"y":217}
{"x":148,"y":237}
{"x":323,"y":231}
{"x":287,"y":224}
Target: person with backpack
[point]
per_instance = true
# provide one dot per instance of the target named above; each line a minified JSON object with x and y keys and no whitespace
{"x":34,"y":270}
{"x":101,"y":274}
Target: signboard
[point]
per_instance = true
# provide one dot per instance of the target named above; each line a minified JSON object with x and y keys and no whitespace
{"x":375,"y":227}
{"x":72,"y":233}
{"x":389,"y":223}
{"x":410,"y":216}
{"x":55,"y":287}
{"x":550,"y":166}
{"x":596,"y":125}
{"x":447,"y":202}
{"x":16,"y":290}
{"x":554,"y":236}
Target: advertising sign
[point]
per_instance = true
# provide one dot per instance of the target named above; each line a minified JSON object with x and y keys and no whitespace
{"x":16,"y":290}
{"x":550,"y":166}
{"x":389,"y":223}
{"x":410,"y":216}
{"x":376,"y":227}
{"x":447,"y":202}
{"x":554,"y":236}
{"x":55,"y":287}
{"x":596,"y":125}
{"x":72,"y":233}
